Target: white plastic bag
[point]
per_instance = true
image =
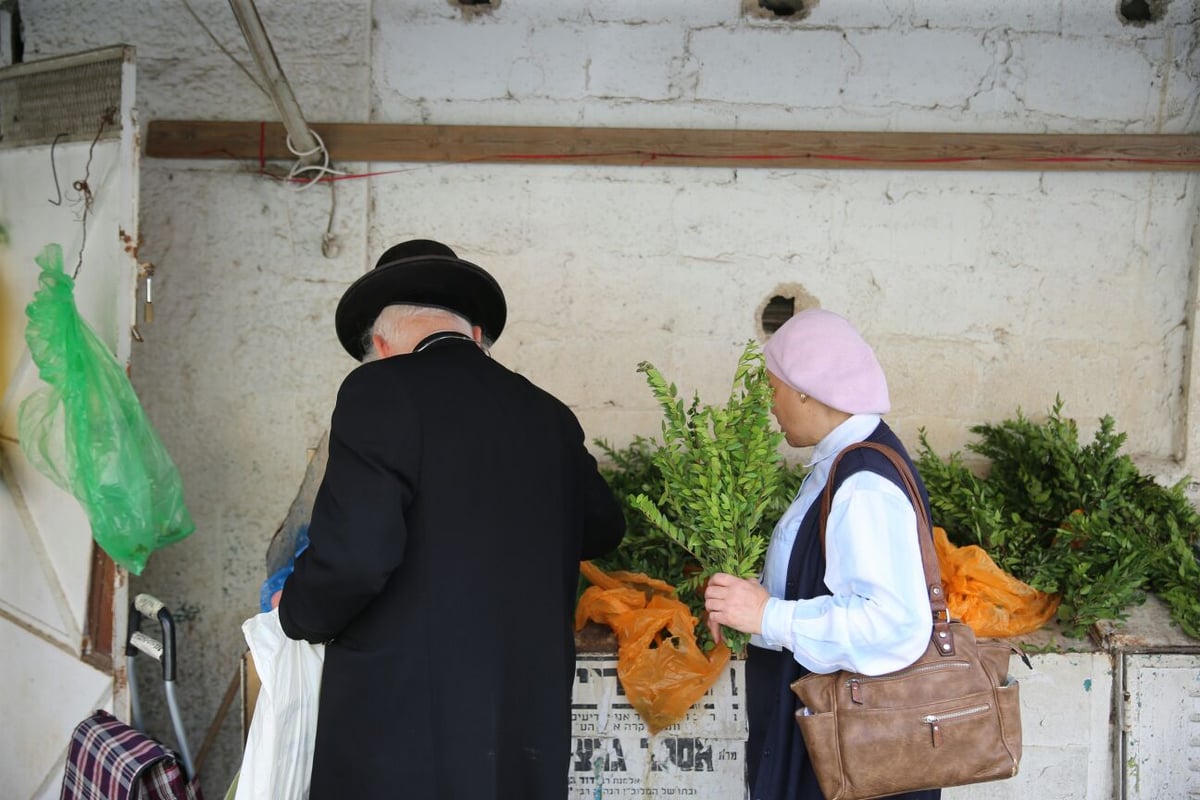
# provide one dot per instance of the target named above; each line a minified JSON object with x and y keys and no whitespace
{"x":277,"y":762}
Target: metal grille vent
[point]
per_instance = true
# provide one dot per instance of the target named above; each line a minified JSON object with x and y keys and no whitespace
{"x":65,"y":98}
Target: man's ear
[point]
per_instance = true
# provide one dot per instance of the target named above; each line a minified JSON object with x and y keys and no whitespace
{"x":381,"y":345}
{"x":477,"y":334}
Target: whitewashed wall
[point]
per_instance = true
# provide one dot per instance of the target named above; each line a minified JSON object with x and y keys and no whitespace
{"x":983,"y":292}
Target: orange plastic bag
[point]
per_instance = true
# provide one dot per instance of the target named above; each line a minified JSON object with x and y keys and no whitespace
{"x":985,"y":597}
{"x":660,"y":665}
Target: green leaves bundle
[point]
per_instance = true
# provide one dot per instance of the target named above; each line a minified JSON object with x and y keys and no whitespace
{"x":1077,"y":520}
{"x":629,"y":472}
{"x":721,"y":472}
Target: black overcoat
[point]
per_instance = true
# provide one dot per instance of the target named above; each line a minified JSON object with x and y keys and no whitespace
{"x":441,"y":572}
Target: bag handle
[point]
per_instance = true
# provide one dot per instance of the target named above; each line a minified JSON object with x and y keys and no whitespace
{"x":942,"y":633}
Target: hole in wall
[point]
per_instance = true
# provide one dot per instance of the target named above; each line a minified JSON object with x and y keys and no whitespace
{"x":18,"y":38}
{"x":782,"y":304}
{"x":12,"y":48}
{"x":779,"y":9}
{"x":475,"y":6}
{"x":1141,"y":12}
{"x":779,"y":309}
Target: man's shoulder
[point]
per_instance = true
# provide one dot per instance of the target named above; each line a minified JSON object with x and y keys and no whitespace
{"x":416,"y":377}
{"x":366,"y":383}
{"x":369,"y":373}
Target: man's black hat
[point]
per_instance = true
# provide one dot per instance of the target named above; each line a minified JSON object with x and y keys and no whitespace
{"x":421,"y":272}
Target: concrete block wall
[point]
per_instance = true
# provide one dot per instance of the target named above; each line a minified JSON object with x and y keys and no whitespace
{"x":982,"y":292}
{"x":1066,"y":726}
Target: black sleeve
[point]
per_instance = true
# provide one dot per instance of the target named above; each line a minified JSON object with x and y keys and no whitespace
{"x":603,"y":520}
{"x":357,"y":533}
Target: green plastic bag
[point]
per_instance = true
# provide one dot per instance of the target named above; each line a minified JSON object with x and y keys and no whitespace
{"x":86,"y":431}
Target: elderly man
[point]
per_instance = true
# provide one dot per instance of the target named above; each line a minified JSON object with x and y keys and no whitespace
{"x":444,"y":549}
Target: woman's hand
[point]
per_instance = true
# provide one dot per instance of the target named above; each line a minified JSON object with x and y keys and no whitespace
{"x":734,"y":602}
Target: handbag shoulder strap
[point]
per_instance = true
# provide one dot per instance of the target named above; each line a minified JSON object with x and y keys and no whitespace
{"x":942,"y":633}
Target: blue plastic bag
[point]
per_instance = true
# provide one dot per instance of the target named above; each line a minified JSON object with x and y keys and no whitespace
{"x":278,"y":578}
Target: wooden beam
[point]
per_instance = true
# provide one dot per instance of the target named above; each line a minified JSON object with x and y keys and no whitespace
{"x":381,"y":142}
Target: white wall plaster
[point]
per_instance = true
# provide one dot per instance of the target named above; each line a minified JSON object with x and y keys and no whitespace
{"x":983,"y":292}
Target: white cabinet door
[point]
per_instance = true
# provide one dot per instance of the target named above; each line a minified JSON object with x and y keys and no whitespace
{"x":1161,"y":737}
{"x":68,"y":174}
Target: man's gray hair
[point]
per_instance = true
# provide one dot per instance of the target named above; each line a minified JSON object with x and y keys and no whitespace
{"x":388,"y":323}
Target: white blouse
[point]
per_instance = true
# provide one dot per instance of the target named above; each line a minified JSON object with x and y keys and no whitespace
{"x":876,"y":618}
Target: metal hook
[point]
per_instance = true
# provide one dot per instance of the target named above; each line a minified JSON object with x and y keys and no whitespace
{"x":54,"y":171}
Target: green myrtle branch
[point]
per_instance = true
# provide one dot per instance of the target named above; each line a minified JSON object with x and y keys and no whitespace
{"x":721,"y":473}
{"x":1078,"y":520}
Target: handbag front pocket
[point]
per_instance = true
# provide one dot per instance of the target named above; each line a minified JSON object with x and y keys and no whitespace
{"x":955,"y":742}
{"x":937,"y":721}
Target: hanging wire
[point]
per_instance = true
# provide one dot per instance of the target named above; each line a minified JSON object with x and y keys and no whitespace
{"x":84,"y":188}
{"x":329,"y":243}
{"x":223,"y":49}
{"x":322,"y":171}
{"x":305,"y":159}
{"x":301,"y":166}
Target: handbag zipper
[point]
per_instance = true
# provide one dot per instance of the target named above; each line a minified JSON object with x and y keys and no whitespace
{"x":934,"y":720}
{"x":855,"y":684}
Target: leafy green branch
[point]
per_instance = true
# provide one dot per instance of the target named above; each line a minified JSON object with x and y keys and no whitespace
{"x":1077,"y":520}
{"x":721,"y":472}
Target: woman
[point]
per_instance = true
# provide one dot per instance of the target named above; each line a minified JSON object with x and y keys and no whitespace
{"x":861,"y":606}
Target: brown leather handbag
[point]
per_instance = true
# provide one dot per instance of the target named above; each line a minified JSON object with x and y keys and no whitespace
{"x":953,"y":717}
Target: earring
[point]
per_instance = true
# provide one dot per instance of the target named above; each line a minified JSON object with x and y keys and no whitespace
{"x":803,"y":397}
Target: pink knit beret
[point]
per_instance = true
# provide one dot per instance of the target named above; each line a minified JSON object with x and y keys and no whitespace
{"x":822,"y":355}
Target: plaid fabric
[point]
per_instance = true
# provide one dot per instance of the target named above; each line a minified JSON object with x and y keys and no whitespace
{"x":109,"y":760}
